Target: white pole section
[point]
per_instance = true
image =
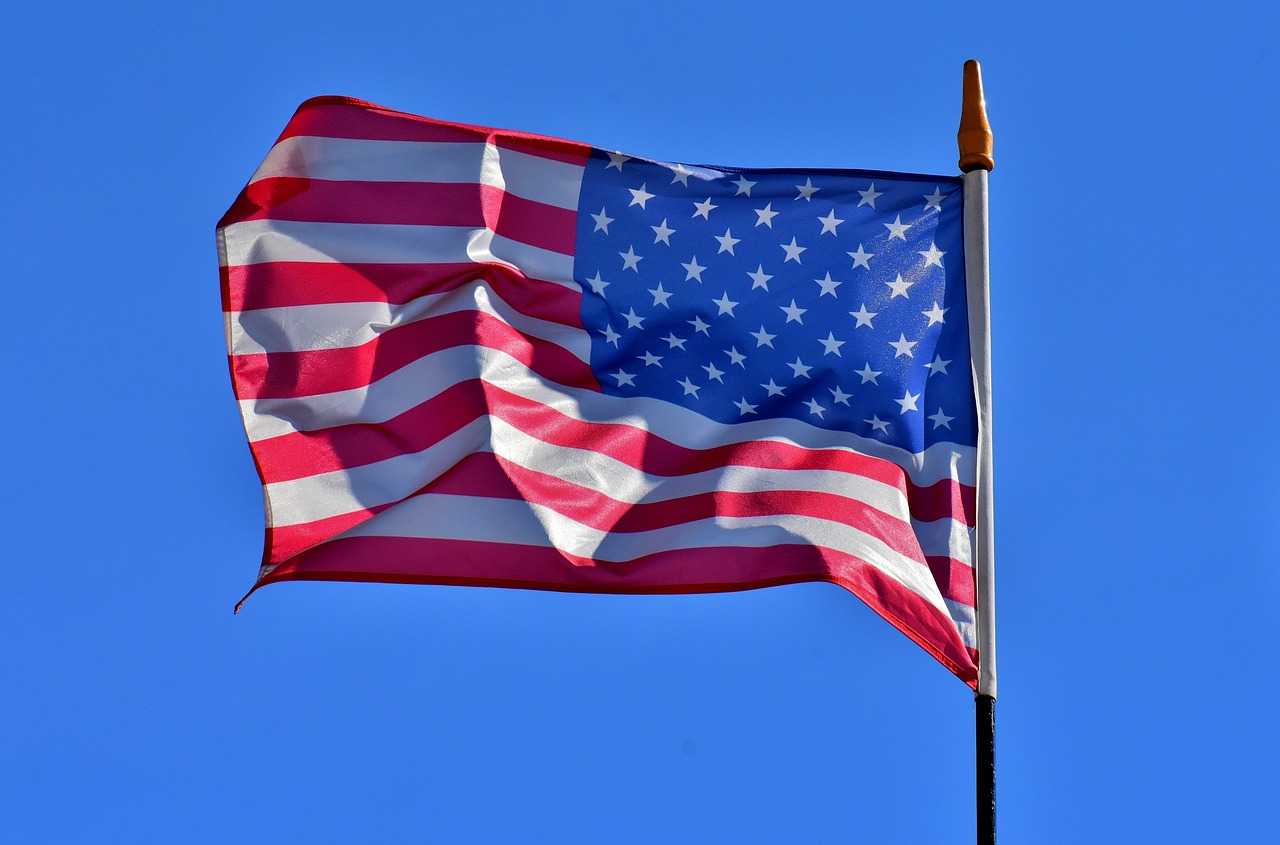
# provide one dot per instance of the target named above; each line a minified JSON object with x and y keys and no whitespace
{"x":977,"y":282}
{"x":975,"y":160}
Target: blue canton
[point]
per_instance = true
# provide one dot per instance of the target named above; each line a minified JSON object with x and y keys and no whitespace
{"x":832,"y":297}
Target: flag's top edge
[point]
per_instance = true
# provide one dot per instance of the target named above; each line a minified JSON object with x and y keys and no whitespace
{"x":340,"y":100}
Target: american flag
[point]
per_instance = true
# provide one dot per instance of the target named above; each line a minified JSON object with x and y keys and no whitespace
{"x":473,"y":356}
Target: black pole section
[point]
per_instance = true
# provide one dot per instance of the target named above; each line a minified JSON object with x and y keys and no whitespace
{"x":985,"y":714}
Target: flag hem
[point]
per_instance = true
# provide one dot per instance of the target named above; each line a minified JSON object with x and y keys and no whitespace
{"x":967,"y":675}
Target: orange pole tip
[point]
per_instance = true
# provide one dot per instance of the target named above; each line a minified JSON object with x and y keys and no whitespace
{"x":974,"y":137}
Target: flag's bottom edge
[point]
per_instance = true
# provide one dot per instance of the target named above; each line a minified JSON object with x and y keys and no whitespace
{"x":966,"y":673}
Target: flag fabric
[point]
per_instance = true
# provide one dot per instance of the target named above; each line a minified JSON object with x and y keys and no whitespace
{"x":479,"y":357}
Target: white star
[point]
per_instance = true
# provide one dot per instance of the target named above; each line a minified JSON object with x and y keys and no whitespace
{"x":829,"y":223}
{"x":899,"y":287}
{"x":610,"y":336}
{"x":660,"y":296}
{"x":725,"y":304}
{"x":736,"y":357}
{"x":902,"y":346}
{"x":765,"y":216}
{"x":935,"y":314}
{"x":699,"y":326}
{"x":868,"y":374}
{"x":897,"y":229}
{"x":806,"y":190}
{"x":933,"y":200}
{"x":713,"y":372}
{"x":727,"y":240}
{"x":662,"y":232}
{"x":878,"y":424}
{"x":633,"y":322}
{"x":745,"y":407}
{"x":624,"y":378}
{"x":602,"y":221}
{"x":630,"y":260}
{"x":941,"y":420}
{"x":598,"y":284}
{"x":744,"y":186}
{"x":799,"y":369}
{"x":839,"y":396}
{"x":704,"y":209}
{"x":650,"y":359}
{"x":694,"y":269}
{"x":793,"y":313}
{"x":763,"y":338}
{"x":773,"y":389}
{"x":828,"y":285}
{"x":933,"y":256}
{"x":869,"y":196}
{"x":815,"y":408}
{"x":937,"y":366}
{"x":861,"y":258}
{"x":639,"y":197}
{"x":831,"y":345}
{"x":793,"y":251}
{"x":690,"y":389}
{"x":863,"y":316}
{"x":617,"y":160}
{"x":908,"y":401}
{"x":680,"y":174}
{"x":673,"y":342}
{"x":760,"y":279}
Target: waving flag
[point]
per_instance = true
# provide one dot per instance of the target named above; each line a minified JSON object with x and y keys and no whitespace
{"x":473,"y":356}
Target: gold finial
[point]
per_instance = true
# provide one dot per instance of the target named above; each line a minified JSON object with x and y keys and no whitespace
{"x":975,"y":132}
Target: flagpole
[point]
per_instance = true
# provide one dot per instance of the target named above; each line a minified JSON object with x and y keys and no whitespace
{"x":975,"y":141}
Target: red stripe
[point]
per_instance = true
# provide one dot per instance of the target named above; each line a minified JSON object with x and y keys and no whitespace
{"x":304,"y":453}
{"x":658,"y":456}
{"x":300,"y":454}
{"x":342,"y":117}
{"x":486,"y":475}
{"x":653,"y":454}
{"x":529,"y":222}
{"x":409,"y":203}
{"x":954,"y":579}
{"x":943,"y":499}
{"x":281,"y":375}
{"x":468,"y":563}
{"x":285,"y":541}
{"x":288,"y":283}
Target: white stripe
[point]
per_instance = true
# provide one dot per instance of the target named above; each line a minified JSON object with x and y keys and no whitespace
{"x":330,"y":494}
{"x":338,"y":492}
{"x":385,"y":399}
{"x":534,"y":262}
{"x":301,"y":328}
{"x":350,"y":160}
{"x":415,"y":383}
{"x":624,"y":483}
{"x":945,"y":538}
{"x":534,"y":178}
{"x":327,"y":494}
{"x":965,"y":619}
{"x":447,"y":517}
{"x":265,"y":241}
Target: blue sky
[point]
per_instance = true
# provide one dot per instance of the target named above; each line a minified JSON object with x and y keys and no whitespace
{"x":1133,"y":317}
